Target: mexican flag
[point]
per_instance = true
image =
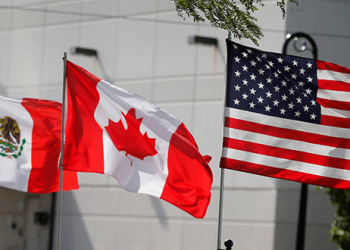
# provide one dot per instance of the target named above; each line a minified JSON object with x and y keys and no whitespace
{"x":30,"y":137}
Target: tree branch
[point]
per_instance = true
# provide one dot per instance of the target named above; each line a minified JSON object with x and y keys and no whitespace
{"x":227,"y":14}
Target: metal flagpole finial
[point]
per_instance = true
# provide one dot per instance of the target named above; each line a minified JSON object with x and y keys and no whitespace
{"x":228,"y":244}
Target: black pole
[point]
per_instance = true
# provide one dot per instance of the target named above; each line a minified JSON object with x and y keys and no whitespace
{"x":304,"y":187}
{"x":52,"y":220}
{"x":302,"y":217}
{"x":296,"y":37}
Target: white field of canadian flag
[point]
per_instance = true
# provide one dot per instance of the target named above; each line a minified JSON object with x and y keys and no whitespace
{"x":30,"y":131}
{"x":112,"y":131}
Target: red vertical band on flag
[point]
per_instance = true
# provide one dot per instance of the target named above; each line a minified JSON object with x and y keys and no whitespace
{"x":190,"y":178}
{"x":83,"y":134}
{"x":46,"y":140}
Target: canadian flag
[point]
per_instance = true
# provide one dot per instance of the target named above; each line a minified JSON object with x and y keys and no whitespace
{"x":30,"y":137}
{"x":112,"y":131}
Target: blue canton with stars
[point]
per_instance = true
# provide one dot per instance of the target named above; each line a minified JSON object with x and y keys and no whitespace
{"x":272,"y":84}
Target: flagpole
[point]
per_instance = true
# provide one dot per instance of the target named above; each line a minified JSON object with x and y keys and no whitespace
{"x":62,"y":150}
{"x":220,"y":207}
{"x":222,"y":180}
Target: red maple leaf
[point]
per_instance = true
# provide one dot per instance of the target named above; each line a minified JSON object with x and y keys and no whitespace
{"x":131,"y":140}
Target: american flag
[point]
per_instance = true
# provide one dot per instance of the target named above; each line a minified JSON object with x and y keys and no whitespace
{"x":287,"y":117}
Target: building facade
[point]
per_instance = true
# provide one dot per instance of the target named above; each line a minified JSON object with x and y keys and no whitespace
{"x":143,"y":47}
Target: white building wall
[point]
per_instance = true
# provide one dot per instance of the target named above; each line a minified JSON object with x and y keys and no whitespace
{"x":143,"y":48}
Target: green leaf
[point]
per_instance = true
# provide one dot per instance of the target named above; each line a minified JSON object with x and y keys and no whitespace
{"x":236,"y":18}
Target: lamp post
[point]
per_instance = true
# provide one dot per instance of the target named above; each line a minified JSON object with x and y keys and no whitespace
{"x":300,"y":48}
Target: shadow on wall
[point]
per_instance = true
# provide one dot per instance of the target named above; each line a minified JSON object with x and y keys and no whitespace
{"x":318,"y":219}
{"x":88,"y":230}
{"x":157,"y":205}
{"x":73,"y":230}
{"x":287,"y":210}
{"x":3,"y":91}
{"x":12,"y":216}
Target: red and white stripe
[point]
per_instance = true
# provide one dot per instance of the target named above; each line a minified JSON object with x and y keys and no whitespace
{"x":317,"y":154}
{"x":334,"y":94}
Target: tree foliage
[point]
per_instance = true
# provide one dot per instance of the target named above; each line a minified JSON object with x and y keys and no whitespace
{"x":233,"y":16}
{"x":340,"y":231}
